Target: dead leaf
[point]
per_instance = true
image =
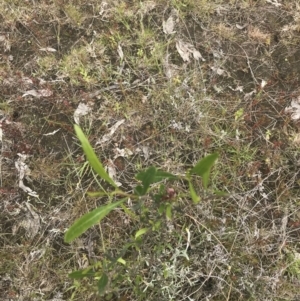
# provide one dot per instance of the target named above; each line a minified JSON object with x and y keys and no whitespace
{"x":296,"y":139}
{"x":52,"y":133}
{"x":197,"y":55}
{"x":45,"y":92}
{"x":218,"y":70}
{"x":108,"y":136}
{"x":238,"y":26}
{"x":168,"y":26}
{"x":294,"y":109}
{"x":103,"y":7}
{"x":38,"y":93}
{"x":124,"y":152}
{"x":249,"y":95}
{"x":263,"y":83}
{"x":187,"y":49}
{"x":238,"y":88}
{"x":31,"y":93}
{"x":146,"y":7}
{"x":120,"y":52}
{"x":82,"y":110}
{"x":6,"y":43}
{"x":112,"y":172}
{"x":146,"y":152}
{"x":24,"y":172}
{"x":274,"y":2}
{"x":27,"y":81}
{"x":37,"y":254}
{"x":31,"y":223}
{"x":183,"y":50}
{"x":170,"y":70}
{"x":48,"y":49}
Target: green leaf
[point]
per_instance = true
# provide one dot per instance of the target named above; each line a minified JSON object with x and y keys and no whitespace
{"x":203,"y":167}
{"x":169,"y":211}
{"x":104,"y":193}
{"x":147,"y":177}
{"x":94,"y":194}
{"x":141,"y":232}
{"x":156,"y":226}
{"x":238,"y":114}
{"x":161,"y":175}
{"x":121,"y":260}
{"x":205,"y":179}
{"x":221,"y":193}
{"x":161,"y":208}
{"x":88,"y":220}
{"x":91,"y":156}
{"x":82,"y":273}
{"x":139,"y":190}
{"x":102,"y":283}
{"x":129,"y":212}
{"x":195,"y":198}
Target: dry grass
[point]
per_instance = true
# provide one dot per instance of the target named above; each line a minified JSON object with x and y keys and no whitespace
{"x":116,"y":57}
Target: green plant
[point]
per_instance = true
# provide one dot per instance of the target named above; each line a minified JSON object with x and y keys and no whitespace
{"x":293,"y":268}
{"x":163,"y":196}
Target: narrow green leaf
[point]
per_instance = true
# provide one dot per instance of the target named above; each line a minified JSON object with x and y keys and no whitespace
{"x":88,"y":272}
{"x":169,"y":211}
{"x":161,"y":175}
{"x":102,"y":283}
{"x":221,"y":193}
{"x":91,"y":156}
{"x":195,"y":198}
{"x":129,"y":212}
{"x":121,"y":260}
{"x":88,"y":220}
{"x":96,"y":193}
{"x":104,"y":193}
{"x":141,"y":232}
{"x":203,"y":167}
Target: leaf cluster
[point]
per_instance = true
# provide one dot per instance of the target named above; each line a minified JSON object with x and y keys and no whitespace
{"x":146,"y":178}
